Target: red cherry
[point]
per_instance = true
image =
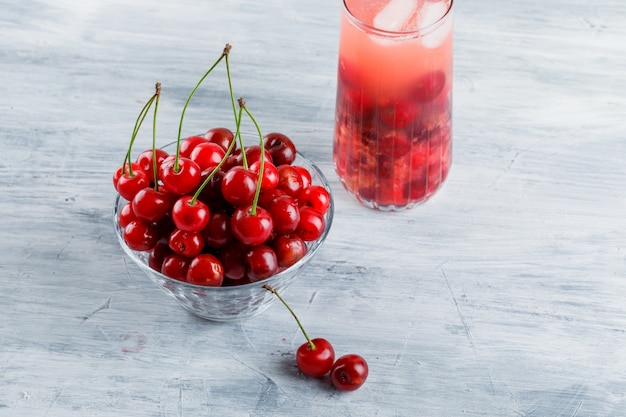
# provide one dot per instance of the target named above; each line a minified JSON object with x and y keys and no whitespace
{"x":207,"y":155}
{"x":205,"y":269}
{"x":251,"y":229}
{"x":262,"y":263}
{"x":399,"y":113}
{"x":183,"y":181}
{"x":175,"y":266}
{"x":305,"y":175}
{"x":145,"y":161}
{"x":315,"y":361}
{"x":285,"y":214}
{"x":157,"y":256}
{"x":394,"y":143}
{"x":270,"y":174}
{"x":233,"y":259}
{"x":217,"y":234}
{"x":239,"y":186}
{"x":253,"y":154}
{"x":190,"y":216}
{"x":151,"y":205}
{"x":221,"y":136}
{"x":140,"y":236}
{"x":118,"y":172}
{"x":281,"y":148}
{"x":188,"y":244}
{"x":188,"y":144}
{"x":290,"y":180}
{"x":289,"y":249}
{"x":349,"y":372}
{"x":128,"y":186}
{"x":126,"y":215}
{"x":266,"y":197}
{"x":212,"y":192}
{"x":428,"y":87}
{"x":358,"y":101}
{"x":311,"y":225}
{"x":315,"y":196}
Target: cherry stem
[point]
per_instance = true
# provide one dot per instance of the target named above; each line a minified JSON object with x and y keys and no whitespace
{"x":191,"y":94}
{"x":140,"y":118}
{"x":232,"y":94}
{"x":217,"y":168}
{"x":273,"y":290}
{"x":242,"y":104}
{"x":154,"y":119}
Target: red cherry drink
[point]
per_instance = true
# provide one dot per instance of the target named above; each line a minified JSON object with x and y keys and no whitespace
{"x":393,"y":123}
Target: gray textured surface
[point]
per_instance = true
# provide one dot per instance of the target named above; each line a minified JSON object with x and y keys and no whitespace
{"x":502,"y":296}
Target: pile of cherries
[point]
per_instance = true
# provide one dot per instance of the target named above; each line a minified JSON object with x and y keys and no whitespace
{"x":217,"y":212}
{"x":202,"y":218}
{"x":316,"y":358}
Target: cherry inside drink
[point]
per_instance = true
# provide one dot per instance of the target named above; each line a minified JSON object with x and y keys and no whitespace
{"x":393,"y":123}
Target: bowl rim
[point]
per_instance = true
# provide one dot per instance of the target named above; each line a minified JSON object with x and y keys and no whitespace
{"x":312,"y":249}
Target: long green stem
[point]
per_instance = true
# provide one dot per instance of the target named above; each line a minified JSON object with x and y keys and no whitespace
{"x":238,"y":137}
{"x":217,"y":168}
{"x":182,"y":116}
{"x":138,"y":123}
{"x":255,"y":202}
{"x":273,"y":290}
{"x":154,"y":120}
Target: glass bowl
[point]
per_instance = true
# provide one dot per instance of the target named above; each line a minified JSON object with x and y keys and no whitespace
{"x":229,"y":303}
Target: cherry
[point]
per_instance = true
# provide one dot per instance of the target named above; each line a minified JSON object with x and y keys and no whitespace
{"x":211,"y":193}
{"x":314,"y":357}
{"x":205,"y":269}
{"x":261,"y":263}
{"x":123,"y":170}
{"x":221,"y":136}
{"x":233,"y":259}
{"x":128,"y":185}
{"x":251,"y":228}
{"x":315,"y":196}
{"x":253,"y":154}
{"x":428,"y":86}
{"x":285,"y":214}
{"x":281,"y":148}
{"x":349,"y":372}
{"x":311,"y":225}
{"x":266,"y":197}
{"x":185,"y":243}
{"x":305,"y":176}
{"x":188,"y":144}
{"x":151,"y":205}
{"x":217,"y":234}
{"x":207,"y":155}
{"x":395,"y":144}
{"x":290,"y":180}
{"x":140,"y":236}
{"x":157,"y":256}
{"x":190,"y":215}
{"x":289,"y":249}
{"x":126,"y":215}
{"x":175,"y":266}
{"x":239,"y":186}
{"x":145,"y":161}
{"x":181,"y":179}
{"x":270,"y":174}
{"x":399,"y":113}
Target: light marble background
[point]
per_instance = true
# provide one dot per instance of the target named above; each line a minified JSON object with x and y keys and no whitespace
{"x":502,"y":296}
